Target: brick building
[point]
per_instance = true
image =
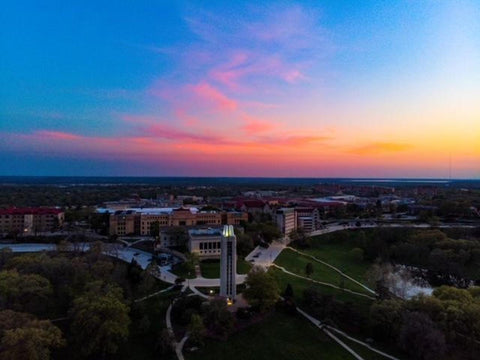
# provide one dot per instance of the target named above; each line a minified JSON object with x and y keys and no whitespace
{"x":28,"y":221}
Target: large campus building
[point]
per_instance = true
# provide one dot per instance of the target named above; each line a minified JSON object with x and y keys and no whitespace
{"x":205,"y":242}
{"x":29,"y":221}
{"x":140,"y":221}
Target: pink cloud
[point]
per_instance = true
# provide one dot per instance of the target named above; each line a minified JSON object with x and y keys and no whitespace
{"x":244,"y":67}
{"x":214,"y":96}
{"x":186,"y":118}
{"x":171,"y":133}
{"x":294,"y":76}
{"x":254,"y":126}
{"x":293,"y":140}
{"x":56,"y":135}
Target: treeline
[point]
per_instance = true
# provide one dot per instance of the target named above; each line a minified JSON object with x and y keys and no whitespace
{"x":68,"y":305}
{"x":89,"y":195}
{"x":445,"y":325}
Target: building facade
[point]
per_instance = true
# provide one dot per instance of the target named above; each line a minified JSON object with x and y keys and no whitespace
{"x":140,"y":221}
{"x":286,"y":221}
{"x":308,"y":218}
{"x":206,"y":243}
{"x":29,"y":221}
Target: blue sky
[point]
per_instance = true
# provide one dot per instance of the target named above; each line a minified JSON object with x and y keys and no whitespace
{"x":333,"y":88}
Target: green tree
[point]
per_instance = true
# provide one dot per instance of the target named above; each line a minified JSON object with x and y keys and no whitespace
{"x":196,"y":329}
{"x":288,"y":294}
{"x":299,"y":236}
{"x":421,"y":338}
{"x":385,"y":318}
{"x":5,"y":255}
{"x":262,"y":290}
{"x":269,"y":231}
{"x":450,"y":293}
{"x":164,"y":344}
{"x":244,"y":243}
{"x":100,"y":320}
{"x":29,"y":293}
{"x":217,"y":317}
{"x":23,"y":337}
{"x":155,"y":229}
{"x":309,"y":269}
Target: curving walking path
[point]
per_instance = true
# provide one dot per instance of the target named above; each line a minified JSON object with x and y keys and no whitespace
{"x":322,"y":327}
{"x":154,"y":294}
{"x":363,"y":344}
{"x":322,"y":283}
{"x":326,"y":329}
{"x":168,"y":321}
{"x":333,"y":268}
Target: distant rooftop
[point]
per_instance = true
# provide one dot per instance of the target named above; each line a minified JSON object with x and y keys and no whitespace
{"x":205,"y":232}
{"x":30,"y":211}
{"x":151,"y":211}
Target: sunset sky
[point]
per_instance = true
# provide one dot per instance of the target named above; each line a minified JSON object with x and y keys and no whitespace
{"x":258,"y":88}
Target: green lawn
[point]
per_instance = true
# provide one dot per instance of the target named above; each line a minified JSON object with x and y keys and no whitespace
{"x":361,"y":350}
{"x":368,"y":354}
{"x":299,"y":285}
{"x":211,"y":268}
{"x":183,"y":270}
{"x":297,"y":263}
{"x":279,"y":337}
{"x":337,"y":253}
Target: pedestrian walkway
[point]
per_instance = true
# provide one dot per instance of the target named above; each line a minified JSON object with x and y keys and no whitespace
{"x":155,"y":294}
{"x":333,"y":268}
{"x":328,"y":330}
{"x":265,"y":257}
{"x":322,"y":283}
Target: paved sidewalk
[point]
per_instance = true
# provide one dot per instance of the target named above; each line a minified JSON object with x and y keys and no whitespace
{"x":265,"y":257}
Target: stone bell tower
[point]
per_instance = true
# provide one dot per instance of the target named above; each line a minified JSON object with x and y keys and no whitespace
{"x":228,"y":263}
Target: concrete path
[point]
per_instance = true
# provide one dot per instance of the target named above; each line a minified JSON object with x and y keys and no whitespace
{"x":265,"y":257}
{"x":179,"y":347}
{"x":204,"y":282}
{"x":333,"y":268}
{"x":363,"y":344}
{"x":328,"y":330}
{"x":155,"y":294}
{"x":323,"y":283}
{"x":196,"y":292}
{"x":168,"y":322}
{"x":319,"y":324}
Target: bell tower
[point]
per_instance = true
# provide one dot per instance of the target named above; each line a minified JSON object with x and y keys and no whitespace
{"x":228,"y":264}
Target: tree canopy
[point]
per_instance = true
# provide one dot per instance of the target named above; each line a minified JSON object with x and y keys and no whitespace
{"x":262,"y":289}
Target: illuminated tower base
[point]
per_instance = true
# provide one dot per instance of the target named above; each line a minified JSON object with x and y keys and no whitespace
{"x":228,"y":263}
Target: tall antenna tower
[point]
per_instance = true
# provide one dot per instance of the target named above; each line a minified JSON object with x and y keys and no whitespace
{"x":450,"y":166}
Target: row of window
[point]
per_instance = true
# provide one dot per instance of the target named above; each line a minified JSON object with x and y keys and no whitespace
{"x":209,"y":245}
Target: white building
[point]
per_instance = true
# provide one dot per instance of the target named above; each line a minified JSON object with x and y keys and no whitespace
{"x":205,"y":242}
{"x":286,"y":221}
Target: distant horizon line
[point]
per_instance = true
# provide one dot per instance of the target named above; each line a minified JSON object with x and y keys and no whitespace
{"x":357,"y":178}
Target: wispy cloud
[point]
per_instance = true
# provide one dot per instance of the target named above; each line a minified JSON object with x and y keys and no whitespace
{"x":214,"y":96}
{"x":380,"y":148}
{"x":55,"y":135}
{"x":253,"y":125}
